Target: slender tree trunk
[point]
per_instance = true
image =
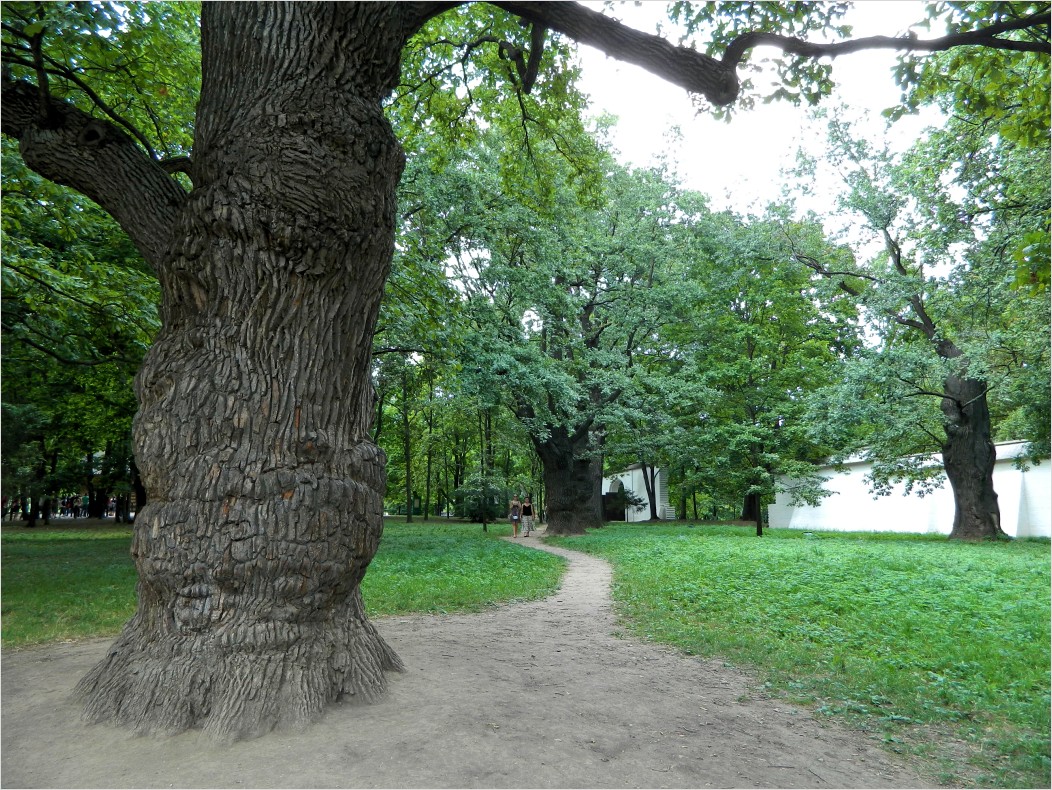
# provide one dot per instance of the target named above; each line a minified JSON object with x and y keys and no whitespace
{"x":650,"y":484}
{"x":483,"y":475}
{"x":407,"y":444}
{"x":429,"y":458}
{"x":752,"y":510}
{"x":265,"y":492}
{"x":572,"y":484}
{"x":968,"y":456}
{"x":749,"y":507}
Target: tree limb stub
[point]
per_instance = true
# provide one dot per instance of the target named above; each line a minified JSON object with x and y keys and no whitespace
{"x":98,"y":160}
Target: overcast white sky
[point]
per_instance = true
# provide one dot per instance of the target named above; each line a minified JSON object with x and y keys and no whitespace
{"x":737,"y":163}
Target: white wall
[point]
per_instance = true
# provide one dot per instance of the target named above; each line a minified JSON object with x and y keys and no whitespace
{"x":632,"y":479}
{"x":1025,"y":499}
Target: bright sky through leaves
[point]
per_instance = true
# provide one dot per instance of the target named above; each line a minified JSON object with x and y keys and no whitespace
{"x":737,"y":163}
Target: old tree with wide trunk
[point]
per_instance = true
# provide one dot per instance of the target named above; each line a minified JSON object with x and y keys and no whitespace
{"x":265,"y":493}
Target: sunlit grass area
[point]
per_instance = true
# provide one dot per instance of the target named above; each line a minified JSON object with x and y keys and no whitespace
{"x":454,"y":567}
{"x":64,"y":583}
{"x":79,"y":582}
{"x":920,"y":639}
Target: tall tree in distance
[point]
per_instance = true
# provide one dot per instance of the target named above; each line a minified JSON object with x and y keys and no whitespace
{"x":252,"y":436}
{"x":951,"y":329}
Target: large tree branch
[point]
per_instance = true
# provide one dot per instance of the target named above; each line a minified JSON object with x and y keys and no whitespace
{"x":716,"y":79}
{"x":983,"y":37}
{"x":97,"y":159}
{"x":681,"y":66}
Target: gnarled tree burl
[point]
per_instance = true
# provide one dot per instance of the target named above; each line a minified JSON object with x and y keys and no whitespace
{"x":265,"y":493}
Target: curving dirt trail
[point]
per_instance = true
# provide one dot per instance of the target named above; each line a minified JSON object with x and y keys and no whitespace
{"x":528,"y":695}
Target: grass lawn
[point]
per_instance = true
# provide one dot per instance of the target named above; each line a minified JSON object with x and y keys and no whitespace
{"x":941,"y":647}
{"x":69,"y":582}
{"x":75,"y":582}
{"x":447,"y":566}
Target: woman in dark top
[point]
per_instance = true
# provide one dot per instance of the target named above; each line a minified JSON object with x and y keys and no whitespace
{"x":527,"y":517}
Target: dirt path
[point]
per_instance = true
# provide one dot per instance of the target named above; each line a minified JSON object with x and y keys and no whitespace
{"x":530,"y":695}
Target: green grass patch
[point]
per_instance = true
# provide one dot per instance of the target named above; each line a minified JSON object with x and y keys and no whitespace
{"x":453,"y":567}
{"x":79,"y":582}
{"x":68,"y":583}
{"x":916,"y":637}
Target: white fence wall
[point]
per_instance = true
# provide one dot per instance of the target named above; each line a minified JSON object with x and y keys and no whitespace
{"x":1025,"y":499}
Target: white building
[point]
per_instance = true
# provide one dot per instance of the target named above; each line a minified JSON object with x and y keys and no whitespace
{"x":631,"y":479}
{"x":1025,"y":500}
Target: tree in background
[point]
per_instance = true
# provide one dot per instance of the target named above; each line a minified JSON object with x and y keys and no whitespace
{"x":255,"y":400}
{"x":79,"y":312}
{"x":562,"y":288}
{"x":958,"y":348}
{"x":724,"y":390}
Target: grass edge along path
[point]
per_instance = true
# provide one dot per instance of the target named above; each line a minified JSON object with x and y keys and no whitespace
{"x":70,"y":582}
{"x":942,"y":649}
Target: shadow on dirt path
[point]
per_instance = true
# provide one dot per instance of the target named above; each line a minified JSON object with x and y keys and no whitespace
{"x":527,"y":695}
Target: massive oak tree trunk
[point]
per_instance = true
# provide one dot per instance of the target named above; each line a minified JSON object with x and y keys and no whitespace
{"x":265,"y":492}
{"x":572,"y":483}
{"x":968,"y":456}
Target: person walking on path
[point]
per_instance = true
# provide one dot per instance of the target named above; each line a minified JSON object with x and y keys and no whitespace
{"x":527,"y":517}
{"x":515,"y":514}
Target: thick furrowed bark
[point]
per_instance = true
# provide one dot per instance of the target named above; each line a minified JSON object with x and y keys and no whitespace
{"x":266,"y":494}
{"x":572,"y":489}
{"x":240,"y":685}
{"x":968,"y":457}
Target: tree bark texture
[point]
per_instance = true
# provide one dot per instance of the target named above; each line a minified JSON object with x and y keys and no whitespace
{"x":968,"y":457}
{"x":572,"y":483}
{"x":265,"y":492}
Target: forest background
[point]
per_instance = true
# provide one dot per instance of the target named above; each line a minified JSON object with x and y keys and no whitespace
{"x":552,"y":308}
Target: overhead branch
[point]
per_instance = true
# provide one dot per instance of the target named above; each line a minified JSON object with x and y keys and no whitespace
{"x":681,"y":66}
{"x":983,"y":37}
{"x":97,"y":159}
{"x":527,"y":69}
{"x":716,"y":79}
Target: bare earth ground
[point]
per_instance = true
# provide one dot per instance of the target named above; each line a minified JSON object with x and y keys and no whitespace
{"x":527,"y":695}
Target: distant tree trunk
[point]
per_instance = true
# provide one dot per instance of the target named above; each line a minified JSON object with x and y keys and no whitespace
{"x":429,"y":458}
{"x":483,"y":474}
{"x":750,"y":507}
{"x":968,"y":457}
{"x":460,"y":466}
{"x":407,"y":444}
{"x":31,"y":514}
{"x":98,"y":502}
{"x":266,"y":493}
{"x":650,"y":484}
{"x":573,"y":484}
{"x":752,"y":510}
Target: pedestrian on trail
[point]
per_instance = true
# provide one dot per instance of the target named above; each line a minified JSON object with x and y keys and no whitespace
{"x":515,"y":514}
{"x":527,"y":517}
